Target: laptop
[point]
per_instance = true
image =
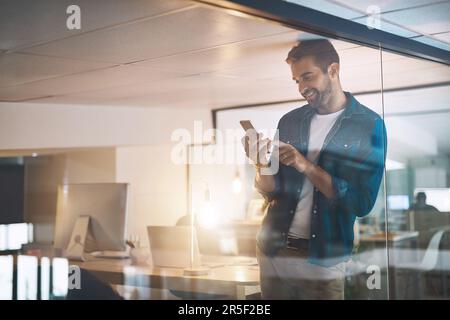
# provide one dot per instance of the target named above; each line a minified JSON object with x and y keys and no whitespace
{"x":170,"y":246}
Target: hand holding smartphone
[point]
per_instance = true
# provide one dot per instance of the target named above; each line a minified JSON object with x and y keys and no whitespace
{"x":253,"y":148}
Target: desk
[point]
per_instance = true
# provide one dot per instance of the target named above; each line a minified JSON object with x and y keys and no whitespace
{"x":234,"y":281}
{"x":392,"y":237}
{"x":390,"y":241}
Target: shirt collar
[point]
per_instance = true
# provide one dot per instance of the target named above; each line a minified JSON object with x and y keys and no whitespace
{"x":352,"y":106}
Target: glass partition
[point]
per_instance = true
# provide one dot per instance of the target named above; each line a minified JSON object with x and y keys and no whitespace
{"x":366,"y":267}
{"x":417,"y":115}
{"x":342,"y":191}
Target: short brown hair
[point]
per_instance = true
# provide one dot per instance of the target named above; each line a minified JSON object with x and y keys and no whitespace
{"x":321,"y":50}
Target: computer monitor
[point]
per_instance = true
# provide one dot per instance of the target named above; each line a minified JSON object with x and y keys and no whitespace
{"x":104,"y":203}
{"x":398,"y":202}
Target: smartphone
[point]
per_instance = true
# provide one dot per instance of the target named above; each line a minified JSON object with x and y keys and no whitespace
{"x":246,"y":125}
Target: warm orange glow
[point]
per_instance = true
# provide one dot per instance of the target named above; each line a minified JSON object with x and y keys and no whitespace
{"x":237,"y":185}
{"x":208,"y":217}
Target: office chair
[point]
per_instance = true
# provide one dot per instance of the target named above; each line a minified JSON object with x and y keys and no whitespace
{"x":428,"y":263}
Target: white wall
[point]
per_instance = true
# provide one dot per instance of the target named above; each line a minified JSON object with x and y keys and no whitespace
{"x":157,"y":187}
{"x":39,"y":126}
{"x":125,"y":145}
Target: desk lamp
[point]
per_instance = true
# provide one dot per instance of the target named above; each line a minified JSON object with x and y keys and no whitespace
{"x":195,"y":270}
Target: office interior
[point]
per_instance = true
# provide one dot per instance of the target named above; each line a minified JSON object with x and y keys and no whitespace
{"x":99,"y":122}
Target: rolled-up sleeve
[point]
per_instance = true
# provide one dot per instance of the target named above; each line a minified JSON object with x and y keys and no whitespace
{"x":356,"y":193}
{"x":340,"y":187}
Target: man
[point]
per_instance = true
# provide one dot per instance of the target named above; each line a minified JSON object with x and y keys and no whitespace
{"x":331,"y":157}
{"x":421,"y":203}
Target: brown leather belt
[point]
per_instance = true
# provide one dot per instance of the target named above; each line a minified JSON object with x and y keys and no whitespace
{"x":297,"y":243}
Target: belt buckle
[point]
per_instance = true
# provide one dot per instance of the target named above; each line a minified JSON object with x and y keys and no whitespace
{"x":288,"y":246}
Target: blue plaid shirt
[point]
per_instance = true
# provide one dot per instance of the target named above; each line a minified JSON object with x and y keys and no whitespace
{"x":354,"y":155}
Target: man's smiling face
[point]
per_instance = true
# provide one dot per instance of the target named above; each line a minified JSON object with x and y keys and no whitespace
{"x":313,"y":84}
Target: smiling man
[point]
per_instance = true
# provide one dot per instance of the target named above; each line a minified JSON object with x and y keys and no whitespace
{"x":331,"y":154}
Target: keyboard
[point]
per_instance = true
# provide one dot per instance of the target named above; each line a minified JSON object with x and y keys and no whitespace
{"x":221,"y":261}
{"x":241,"y":261}
{"x":212,"y":264}
{"x":110,"y":254}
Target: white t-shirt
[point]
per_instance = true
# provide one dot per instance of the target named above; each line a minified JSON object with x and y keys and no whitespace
{"x":320,"y":126}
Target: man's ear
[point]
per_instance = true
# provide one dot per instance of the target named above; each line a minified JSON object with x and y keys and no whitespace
{"x":333,"y":70}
